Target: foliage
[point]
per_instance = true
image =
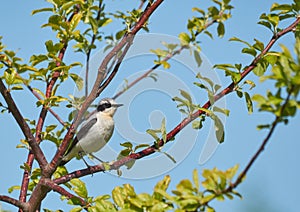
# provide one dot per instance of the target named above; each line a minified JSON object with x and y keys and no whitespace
{"x":189,"y":195}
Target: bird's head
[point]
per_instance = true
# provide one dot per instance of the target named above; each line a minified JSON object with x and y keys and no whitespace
{"x":108,"y":106}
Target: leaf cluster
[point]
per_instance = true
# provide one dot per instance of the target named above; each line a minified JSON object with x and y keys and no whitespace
{"x":189,"y":195}
{"x":286,"y":74}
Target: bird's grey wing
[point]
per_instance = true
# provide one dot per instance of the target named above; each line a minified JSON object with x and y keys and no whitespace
{"x":82,"y":132}
{"x":85,"y":127}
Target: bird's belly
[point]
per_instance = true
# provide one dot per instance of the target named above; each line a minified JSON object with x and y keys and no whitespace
{"x":98,"y":137}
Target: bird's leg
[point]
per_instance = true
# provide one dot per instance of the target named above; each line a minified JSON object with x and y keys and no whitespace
{"x":97,"y":158}
{"x":88,"y":166}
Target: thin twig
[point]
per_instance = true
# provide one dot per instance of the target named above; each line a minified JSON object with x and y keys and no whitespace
{"x":117,"y":66}
{"x":261,"y":148}
{"x":142,"y":2}
{"x":146,"y":74}
{"x":168,"y":57}
{"x":88,"y":55}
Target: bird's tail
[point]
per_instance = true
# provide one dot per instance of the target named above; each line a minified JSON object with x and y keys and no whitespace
{"x":63,"y":162}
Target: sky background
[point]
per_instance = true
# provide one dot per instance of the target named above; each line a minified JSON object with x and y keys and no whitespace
{"x":272,"y":183}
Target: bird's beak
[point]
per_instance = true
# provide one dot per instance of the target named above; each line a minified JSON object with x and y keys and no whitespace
{"x":117,"y":105}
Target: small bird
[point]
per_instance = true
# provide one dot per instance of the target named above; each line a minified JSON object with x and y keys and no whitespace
{"x":94,"y":133}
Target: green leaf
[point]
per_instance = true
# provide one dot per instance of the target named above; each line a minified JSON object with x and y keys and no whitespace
{"x":258,"y":45}
{"x":250,"y":51}
{"x":271,"y":57}
{"x":76,"y":209}
{"x":266,"y":24}
{"x":251,"y":83}
{"x":185,"y":185}
{"x":41,"y":10}
{"x":259,"y":70}
{"x":239,"y":40}
{"x":105,"y":21}
{"x":248,"y":102}
{"x":284,"y":8}
{"x":221,"y":110}
{"x":118,"y":196}
{"x":197,"y":58}
{"x":70,"y":4}
{"x":12,"y":188}
{"x":263,"y":126}
{"x":186,"y":95}
{"x":196,"y":179}
{"x":153,"y":133}
{"x":184,"y":39}
{"x":197,"y":125}
{"x":258,"y":98}
{"x":170,"y":157}
{"x":165,"y":64}
{"x":219,"y":127}
{"x":208,"y":34}
{"x":163,"y":130}
{"x":127,"y":145}
{"x":79,"y":188}
{"x":221,"y":29}
{"x":78,"y":80}
{"x":50,"y":128}
{"x":75,"y":21}
{"x":198,"y":10}
{"x":141,"y":146}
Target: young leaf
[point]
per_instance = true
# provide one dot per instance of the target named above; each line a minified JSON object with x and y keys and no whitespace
{"x":248,"y":102}
{"x":221,"y":29}
{"x":184,"y":39}
{"x":197,"y":58}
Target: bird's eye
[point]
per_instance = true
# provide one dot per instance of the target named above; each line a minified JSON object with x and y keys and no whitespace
{"x":103,"y":106}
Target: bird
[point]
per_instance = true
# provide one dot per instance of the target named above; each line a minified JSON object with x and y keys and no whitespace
{"x":94,"y":133}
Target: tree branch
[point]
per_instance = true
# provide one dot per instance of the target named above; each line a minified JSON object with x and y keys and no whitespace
{"x":117,"y":66}
{"x":49,"y":183}
{"x":261,"y":148}
{"x":14,"y":202}
{"x":152,"y":149}
{"x":88,"y":55}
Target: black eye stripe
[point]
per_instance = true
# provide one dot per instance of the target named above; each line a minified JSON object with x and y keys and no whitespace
{"x":103,"y":106}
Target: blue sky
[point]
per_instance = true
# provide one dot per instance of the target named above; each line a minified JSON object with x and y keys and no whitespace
{"x":271,"y":184}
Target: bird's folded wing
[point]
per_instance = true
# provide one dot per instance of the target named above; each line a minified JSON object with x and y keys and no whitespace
{"x":82,"y":132}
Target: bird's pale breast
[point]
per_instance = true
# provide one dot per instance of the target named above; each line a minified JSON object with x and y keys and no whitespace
{"x":99,"y":134}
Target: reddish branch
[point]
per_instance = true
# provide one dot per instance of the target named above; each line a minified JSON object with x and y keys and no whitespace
{"x":39,"y":127}
{"x":49,"y":183}
{"x":13,"y":201}
{"x":152,"y":149}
